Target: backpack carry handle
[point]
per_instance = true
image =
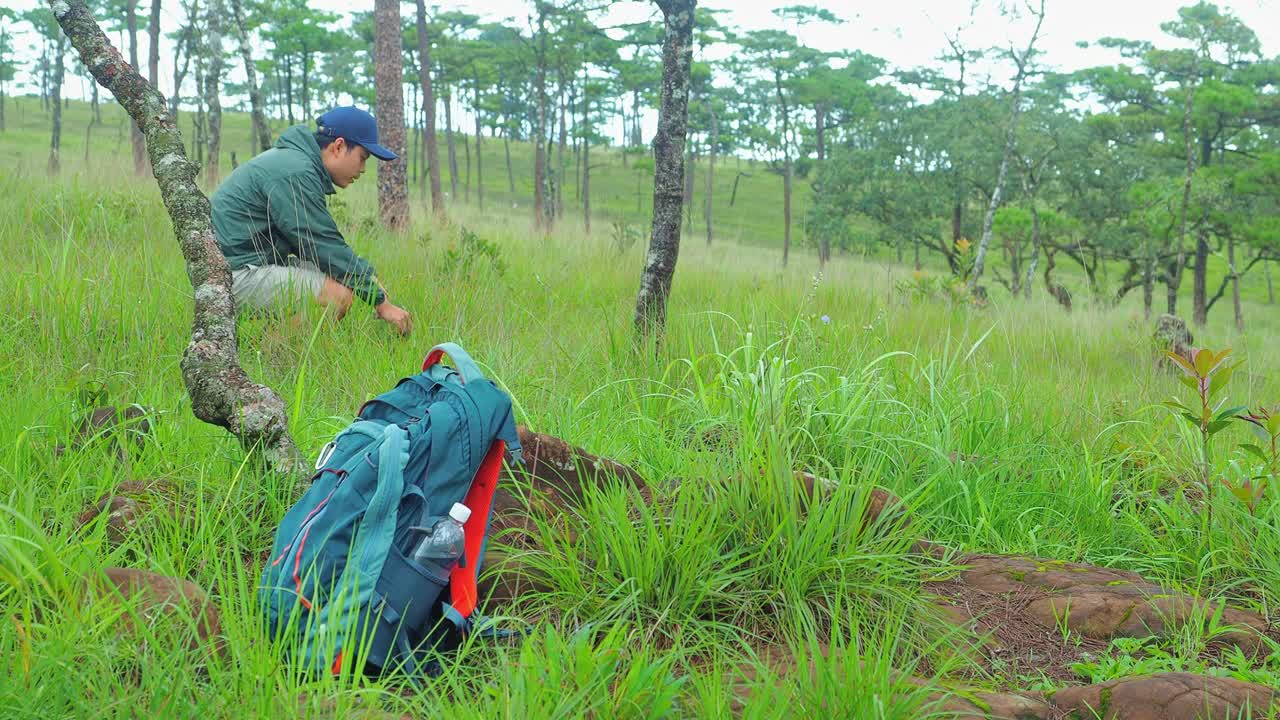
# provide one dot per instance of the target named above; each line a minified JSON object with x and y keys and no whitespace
{"x":467,"y":367}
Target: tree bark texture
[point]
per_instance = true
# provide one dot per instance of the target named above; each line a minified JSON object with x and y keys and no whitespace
{"x":668,"y":176}
{"x":261,"y":130}
{"x":212,"y":91}
{"x":221,"y":393}
{"x":393,"y":190}
{"x":429,"y":109}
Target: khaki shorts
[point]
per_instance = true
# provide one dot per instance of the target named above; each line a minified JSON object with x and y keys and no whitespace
{"x":277,"y":287}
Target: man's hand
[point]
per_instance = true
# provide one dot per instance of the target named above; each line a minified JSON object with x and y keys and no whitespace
{"x":396,"y":316}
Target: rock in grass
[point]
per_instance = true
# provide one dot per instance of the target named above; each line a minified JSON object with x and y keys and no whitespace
{"x":128,"y":427}
{"x":130,"y":506}
{"x":1171,"y":334}
{"x":1168,"y":696}
{"x":1097,"y":603}
{"x":561,"y":470}
{"x":160,"y":603}
{"x":968,"y":704}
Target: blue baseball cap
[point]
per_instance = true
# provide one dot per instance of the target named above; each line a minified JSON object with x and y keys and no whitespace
{"x":355,"y":126}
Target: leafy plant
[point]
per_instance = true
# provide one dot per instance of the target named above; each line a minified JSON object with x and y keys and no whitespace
{"x":1206,"y":374}
{"x":471,"y":249}
{"x":1265,"y":424}
{"x":624,"y":235}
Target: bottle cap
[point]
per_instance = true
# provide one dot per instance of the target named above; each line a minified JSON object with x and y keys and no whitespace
{"x":460,"y":512}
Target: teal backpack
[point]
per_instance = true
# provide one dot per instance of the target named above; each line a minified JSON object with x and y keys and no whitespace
{"x":339,"y":581}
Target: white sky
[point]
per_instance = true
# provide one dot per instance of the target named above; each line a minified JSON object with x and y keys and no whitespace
{"x":907,"y":33}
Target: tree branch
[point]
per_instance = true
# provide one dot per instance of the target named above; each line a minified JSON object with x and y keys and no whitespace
{"x":221,"y":393}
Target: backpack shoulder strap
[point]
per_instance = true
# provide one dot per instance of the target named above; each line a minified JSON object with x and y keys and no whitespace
{"x":376,"y":531}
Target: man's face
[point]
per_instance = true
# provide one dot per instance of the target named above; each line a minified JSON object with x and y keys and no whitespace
{"x":345,"y":162}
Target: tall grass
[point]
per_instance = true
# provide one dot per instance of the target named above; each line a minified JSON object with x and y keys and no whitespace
{"x":1011,"y":429}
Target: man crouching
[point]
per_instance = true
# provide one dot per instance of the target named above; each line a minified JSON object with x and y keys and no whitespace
{"x":276,"y":232}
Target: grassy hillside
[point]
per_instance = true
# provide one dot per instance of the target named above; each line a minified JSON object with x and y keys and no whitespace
{"x":622,"y":195}
{"x":1012,"y":429}
{"x":619,"y":193}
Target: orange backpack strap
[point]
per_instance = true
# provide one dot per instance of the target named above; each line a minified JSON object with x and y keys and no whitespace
{"x":462,"y":581}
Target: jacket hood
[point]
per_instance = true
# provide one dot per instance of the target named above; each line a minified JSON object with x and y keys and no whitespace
{"x":302,"y":139}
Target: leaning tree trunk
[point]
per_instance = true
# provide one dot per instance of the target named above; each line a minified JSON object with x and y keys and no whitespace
{"x":221,"y":393}
{"x":55,"y":138}
{"x":668,"y":173}
{"x":135,"y":135}
{"x":393,"y":191}
{"x":212,"y":91}
{"x":261,"y":130}
{"x":429,"y":109}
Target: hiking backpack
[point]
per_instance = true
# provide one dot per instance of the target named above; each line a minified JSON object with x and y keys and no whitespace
{"x":340,"y":578}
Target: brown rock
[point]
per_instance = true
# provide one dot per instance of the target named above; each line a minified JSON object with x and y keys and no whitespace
{"x":1101,"y":603}
{"x":1171,"y":334}
{"x":158,"y":600}
{"x":1167,"y":696}
{"x":130,"y":426}
{"x":976,"y":705}
{"x":560,"y":471}
{"x":130,"y":505}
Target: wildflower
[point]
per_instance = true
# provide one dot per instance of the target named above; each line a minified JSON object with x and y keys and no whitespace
{"x":826,"y":319}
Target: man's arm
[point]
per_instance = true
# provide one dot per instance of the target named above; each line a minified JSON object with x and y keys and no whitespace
{"x":297,"y":209}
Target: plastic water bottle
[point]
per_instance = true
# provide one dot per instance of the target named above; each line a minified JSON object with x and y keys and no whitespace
{"x":444,"y":542}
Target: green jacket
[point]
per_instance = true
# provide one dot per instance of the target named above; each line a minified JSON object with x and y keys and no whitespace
{"x":273,"y":206}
